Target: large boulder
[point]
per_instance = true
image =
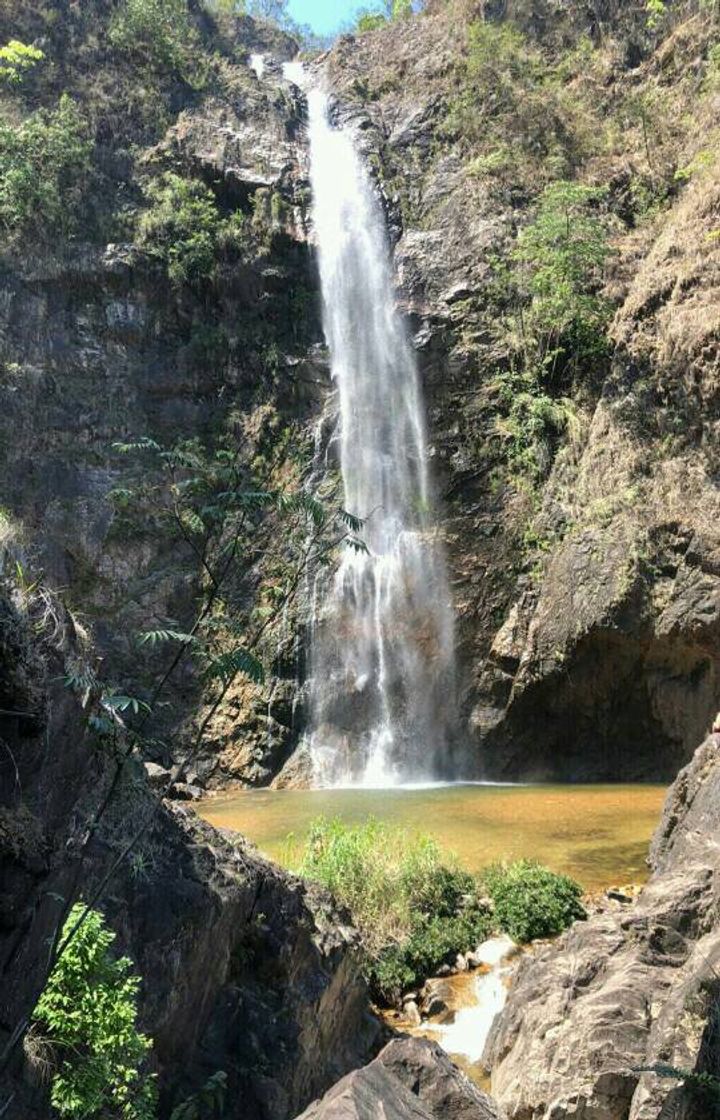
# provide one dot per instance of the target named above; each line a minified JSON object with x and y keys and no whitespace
{"x":629,"y":988}
{"x":411,"y":1079}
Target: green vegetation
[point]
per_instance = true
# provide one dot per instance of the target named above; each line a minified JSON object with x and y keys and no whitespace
{"x":514,"y":111}
{"x":560,"y":258}
{"x":15,"y":59}
{"x":88,"y":1011}
{"x":184,"y":229}
{"x":530,"y":423}
{"x":156,"y":32}
{"x":370,"y":19}
{"x":416,"y":909}
{"x":531,"y":901}
{"x":44,"y":165}
{"x":206,"y":1104}
{"x":555,"y":322}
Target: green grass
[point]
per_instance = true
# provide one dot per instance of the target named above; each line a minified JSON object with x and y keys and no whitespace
{"x":416,"y":909}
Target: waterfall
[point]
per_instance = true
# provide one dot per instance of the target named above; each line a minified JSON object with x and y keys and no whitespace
{"x":382,"y":651}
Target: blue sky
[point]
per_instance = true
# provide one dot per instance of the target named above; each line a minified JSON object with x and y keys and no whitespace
{"x":325,"y":16}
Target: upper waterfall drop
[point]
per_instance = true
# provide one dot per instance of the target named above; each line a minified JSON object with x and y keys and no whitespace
{"x":382,"y":647}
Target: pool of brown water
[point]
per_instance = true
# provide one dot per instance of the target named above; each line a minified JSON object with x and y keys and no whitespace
{"x":598,"y":834}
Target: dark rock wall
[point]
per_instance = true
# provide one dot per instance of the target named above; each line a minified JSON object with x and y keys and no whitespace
{"x":244,"y":968}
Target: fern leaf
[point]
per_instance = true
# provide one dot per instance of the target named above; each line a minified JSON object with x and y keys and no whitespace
{"x":154,"y":637}
{"x":239,"y":660}
{"x":353,"y":523}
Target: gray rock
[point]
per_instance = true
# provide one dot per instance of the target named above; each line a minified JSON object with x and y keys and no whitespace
{"x":158,"y":776}
{"x":411,"y":1079}
{"x":626,"y":989}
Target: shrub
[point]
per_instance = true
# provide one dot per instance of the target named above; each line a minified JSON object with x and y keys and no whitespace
{"x":564,"y":251}
{"x":531,"y":901}
{"x":184,"y":229}
{"x":157,"y":32}
{"x":44,"y":164}
{"x":433,"y":942}
{"x":414,"y":908}
{"x":89,"y":1010}
{"x":370,"y":21}
{"x":15,"y":59}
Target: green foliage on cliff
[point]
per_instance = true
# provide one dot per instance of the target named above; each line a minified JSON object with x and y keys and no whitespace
{"x":15,"y":59}
{"x":414,"y":907}
{"x":556,"y":322}
{"x":157,"y":32}
{"x":560,"y":258}
{"x":514,"y":111}
{"x":44,"y":165}
{"x":89,"y":1013}
{"x":530,"y":901}
{"x":184,"y":229}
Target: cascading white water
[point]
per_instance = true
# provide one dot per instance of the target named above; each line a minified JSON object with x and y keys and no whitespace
{"x":382,"y":655}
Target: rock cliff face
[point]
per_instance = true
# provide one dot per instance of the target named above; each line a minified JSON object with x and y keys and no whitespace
{"x":587,"y":601}
{"x":410,"y":1079}
{"x":586,"y":587}
{"x":244,"y":968}
{"x":631,"y":988}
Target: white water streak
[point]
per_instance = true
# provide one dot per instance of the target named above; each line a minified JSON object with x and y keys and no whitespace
{"x":382,"y":652}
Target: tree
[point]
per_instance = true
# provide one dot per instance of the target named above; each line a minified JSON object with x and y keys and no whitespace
{"x":15,"y":59}
{"x":561,"y":255}
{"x":89,"y":1011}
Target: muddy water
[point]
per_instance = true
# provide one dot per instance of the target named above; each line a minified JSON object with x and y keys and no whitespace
{"x":598,"y":834}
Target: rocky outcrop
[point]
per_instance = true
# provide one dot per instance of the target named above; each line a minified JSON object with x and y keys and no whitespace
{"x":411,"y":1079}
{"x":630,"y":988}
{"x":245,"y":968}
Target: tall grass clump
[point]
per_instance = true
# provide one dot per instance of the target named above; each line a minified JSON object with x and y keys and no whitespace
{"x":414,"y":907}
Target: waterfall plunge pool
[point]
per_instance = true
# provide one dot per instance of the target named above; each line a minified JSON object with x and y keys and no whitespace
{"x":599,"y":834}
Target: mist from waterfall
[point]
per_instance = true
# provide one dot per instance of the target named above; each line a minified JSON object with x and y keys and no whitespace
{"x":382,"y":648}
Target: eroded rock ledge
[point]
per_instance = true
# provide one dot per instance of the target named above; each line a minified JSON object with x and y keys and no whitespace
{"x":626,"y":990}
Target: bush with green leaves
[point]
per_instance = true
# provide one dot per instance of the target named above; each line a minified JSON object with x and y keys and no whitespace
{"x":531,"y":901}
{"x":184,"y":229}
{"x":531,"y":423}
{"x":159,"y":33}
{"x":16,"y":59}
{"x":414,"y":907}
{"x":44,"y":166}
{"x":560,"y":257}
{"x":88,"y":1012}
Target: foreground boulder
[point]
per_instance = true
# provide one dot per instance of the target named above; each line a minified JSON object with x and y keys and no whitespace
{"x":630,"y":988}
{"x":244,"y":968}
{"x":411,"y":1079}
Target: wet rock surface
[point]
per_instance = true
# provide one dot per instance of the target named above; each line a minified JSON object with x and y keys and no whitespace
{"x":631,"y":987}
